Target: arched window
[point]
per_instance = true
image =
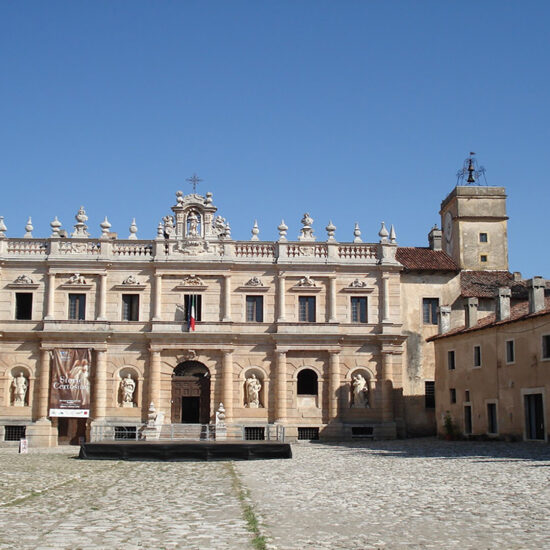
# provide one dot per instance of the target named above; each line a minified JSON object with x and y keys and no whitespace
{"x":307,"y":382}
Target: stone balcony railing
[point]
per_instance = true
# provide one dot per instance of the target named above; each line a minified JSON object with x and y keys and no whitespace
{"x":280,"y":252}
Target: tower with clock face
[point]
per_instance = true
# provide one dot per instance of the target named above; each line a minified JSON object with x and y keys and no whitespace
{"x":475,"y":232}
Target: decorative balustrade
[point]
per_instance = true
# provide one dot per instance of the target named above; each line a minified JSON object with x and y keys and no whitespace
{"x":87,"y":247}
{"x":318,"y":250}
{"x":132,"y":249}
{"x":255,"y":250}
{"x":357,"y":252}
{"x":27,"y":247}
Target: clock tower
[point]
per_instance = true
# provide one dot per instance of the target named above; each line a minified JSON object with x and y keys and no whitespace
{"x":475,"y":227}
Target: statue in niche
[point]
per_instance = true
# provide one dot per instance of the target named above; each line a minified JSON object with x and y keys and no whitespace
{"x":20,"y":387}
{"x":360,"y":392}
{"x":127,"y":388}
{"x":253,"y":387}
{"x":192,"y":225}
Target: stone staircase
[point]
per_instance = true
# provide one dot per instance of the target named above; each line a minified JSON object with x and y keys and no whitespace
{"x":183,"y":432}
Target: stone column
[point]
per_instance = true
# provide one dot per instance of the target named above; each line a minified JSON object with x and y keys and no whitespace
{"x":332,"y":299}
{"x":281,"y":298}
{"x":44,"y":385}
{"x":102,"y":308}
{"x":386,"y":382}
{"x":385,"y":298}
{"x":100,"y":384}
{"x":154,"y":378}
{"x":50,"y":297}
{"x":227,"y":384}
{"x":226,"y":304}
{"x":157,"y":300}
{"x":333,"y":384}
{"x":281,"y":399}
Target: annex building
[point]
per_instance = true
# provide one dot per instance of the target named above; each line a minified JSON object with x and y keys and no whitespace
{"x":320,"y":337}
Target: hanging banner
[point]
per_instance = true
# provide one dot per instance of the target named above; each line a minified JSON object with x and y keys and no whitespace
{"x":70,"y":383}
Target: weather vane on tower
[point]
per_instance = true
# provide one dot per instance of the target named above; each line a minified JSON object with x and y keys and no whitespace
{"x":193,"y":180}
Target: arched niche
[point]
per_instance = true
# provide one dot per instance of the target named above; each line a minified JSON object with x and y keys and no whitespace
{"x":360,"y":388}
{"x":127,"y":393}
{"x":307,"y":388}
{"x":248,"y":391}
{"x":191,"y":393}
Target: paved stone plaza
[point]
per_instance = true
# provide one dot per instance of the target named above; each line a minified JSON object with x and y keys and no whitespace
{"x":397,"y":494}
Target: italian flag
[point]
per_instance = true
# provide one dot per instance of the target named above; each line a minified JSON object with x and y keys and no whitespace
{"x":192,"y":312}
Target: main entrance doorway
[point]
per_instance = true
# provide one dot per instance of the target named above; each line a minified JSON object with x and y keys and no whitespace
{"x":70,"y":431}
{"x":191,"y":393}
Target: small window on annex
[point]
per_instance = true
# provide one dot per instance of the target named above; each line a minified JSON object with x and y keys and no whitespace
{"x":451,"y":360}
{"x":306,"y":309}
{"x":358,"y":309}
{"x":255,"y":309}
{"x":546,"y":346}
{"x":477,"y":356}
{"x":429,"y":394}
{"x":483,"y":258}
{"x":130,"y":307}
{"x":429,"y":310}
{"x":483,"y":237}
{"x":452,"y":395}
{"x":23,"y":306}
{"x":77,"y":307}
{"x":307,"y":382}
{"x":510,"y":351}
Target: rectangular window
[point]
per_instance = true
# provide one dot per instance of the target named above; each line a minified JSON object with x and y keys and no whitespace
{"x":23,"y":306}
{"x":467,"y":395}
{"x":546,"y":346}
{"x":130,"y":307}
{"x":306,"y":313}
{"x":77,"y":307}
{"x":510,"y":351}
{"x":429,"y":394}
{"x":492,"y":426}
{"x":429,"y":310}
{"x":483,"y":237}
{"x":483,"y":258}
{"x":452,"y":395}
{"x":309,"y":434}
{"x":467,"y":419}
{"x":255,"y":309}
{"x":451,"y":360}
{"x":14,"y":433}
{"x":192,"y":301}
{"x":477,"y":356}
{"x":358,"y":309}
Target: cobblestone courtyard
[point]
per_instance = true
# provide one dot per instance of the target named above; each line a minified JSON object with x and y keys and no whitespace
{"x":400,"y":494}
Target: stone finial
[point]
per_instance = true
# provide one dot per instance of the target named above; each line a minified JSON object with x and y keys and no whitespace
{"x":160,"y":232}
{"x":179,"y":197}
{"x":227,"y":231}
{"x":282,"y":228}
{"x":80,"y":227}
{"x":255,"y":231}
{"x":306,"y":233}
{"x":133,"y":230}
{"x":503,"y":303}
{"x":105,"y":228}
{"x":208,"y":199}
{"x":357,"y":234}
{"x":393,"y":237}
{"x":536,"y":288}
{"x":383,"y":233}
{"x":3,"y":228}
{"x":55,"y":224}
{"x":28,"y":229}
{"x":330,"y":229}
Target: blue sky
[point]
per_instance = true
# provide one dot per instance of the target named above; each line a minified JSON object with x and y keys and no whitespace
{"x":350,"y":110}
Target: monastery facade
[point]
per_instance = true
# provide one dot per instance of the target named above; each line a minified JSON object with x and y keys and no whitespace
{"x":319,"y":337}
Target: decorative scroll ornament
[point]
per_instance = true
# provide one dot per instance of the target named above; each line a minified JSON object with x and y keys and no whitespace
{"x":192,"y":280}
{"x":255,"y":281}
{"x":306,"y":281}
{"x":76,"y":279}
{"x":358,"y":284}
{"x":23,"y":280}
{"x":130,"y":280}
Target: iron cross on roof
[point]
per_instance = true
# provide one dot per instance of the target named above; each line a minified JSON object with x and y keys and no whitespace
{"x":193,"y":180}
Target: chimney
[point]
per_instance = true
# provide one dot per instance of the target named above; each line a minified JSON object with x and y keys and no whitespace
{"x":471,"y":312}
{"x":503,"y":303}
{"x":536,"y":294}
{"x":517,"y":276}
{"x":434,"y":238}
{"x":444,"y":319}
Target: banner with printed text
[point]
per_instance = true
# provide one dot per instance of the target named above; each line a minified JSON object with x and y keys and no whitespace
{"x":70,"y":383}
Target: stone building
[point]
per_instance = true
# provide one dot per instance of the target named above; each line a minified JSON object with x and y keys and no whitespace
{"x":322,"y":337}
{"x":492,"y":375}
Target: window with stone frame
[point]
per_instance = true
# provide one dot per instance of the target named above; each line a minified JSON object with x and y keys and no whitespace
{"x":306,"y":309}
{"x":130,"y":307}
{"x":192,"y":299}
{"x":429,"y":310}
{"x":23,"y":306}
{"x":358,"y":309}
{"x":77,"y":307}
{"x":255,"y":309}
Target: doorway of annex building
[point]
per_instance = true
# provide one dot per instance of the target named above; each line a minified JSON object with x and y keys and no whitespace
{"x":191,"y":393}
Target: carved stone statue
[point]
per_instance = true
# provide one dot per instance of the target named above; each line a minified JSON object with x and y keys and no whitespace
{"x":192,"y":225}
{"x":130,"y":280}
{"x":360,"y":392}
{"x":253,"y":387}
{"x":168,"y":222}
{"x":220,"y":415}
{"x":127,"y":388}
{"x":23,"y":280}
{"x":77,"y":279}
{"x":20,"y":387}
{"x":306,"y":281}
{"x":255,"y":281}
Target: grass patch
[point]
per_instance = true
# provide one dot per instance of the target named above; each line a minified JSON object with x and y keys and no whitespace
{"x":252,"y":524}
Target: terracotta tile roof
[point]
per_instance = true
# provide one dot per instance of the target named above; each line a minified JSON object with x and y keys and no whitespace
{"x":518,"y":312}
{"x":425,"y":259}
{"x":485,"y":284}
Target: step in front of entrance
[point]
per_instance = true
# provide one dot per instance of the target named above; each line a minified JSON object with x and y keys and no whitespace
{"x":185,"y":432}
